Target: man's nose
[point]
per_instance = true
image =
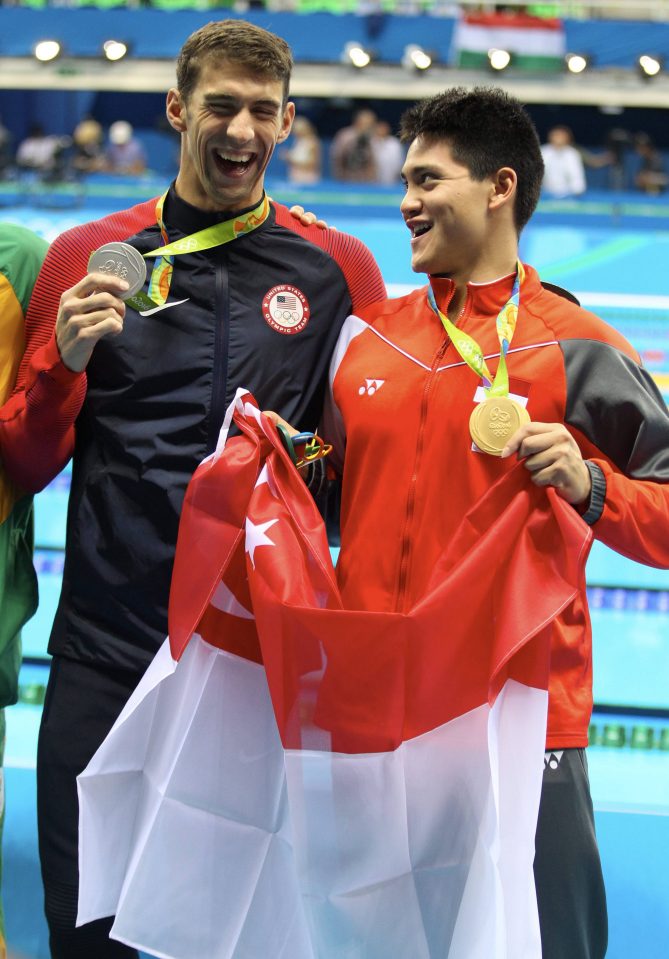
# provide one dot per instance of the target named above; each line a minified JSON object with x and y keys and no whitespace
{"x":410,"y":203}
{"x":240,"y":127}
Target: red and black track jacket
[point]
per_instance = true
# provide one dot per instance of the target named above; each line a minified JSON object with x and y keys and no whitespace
{"x":150,"y":405}
{"x":402,"y":399}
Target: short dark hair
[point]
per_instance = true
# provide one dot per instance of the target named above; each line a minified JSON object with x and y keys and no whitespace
{"x":486,"y":129}
{"x":240,"y":42}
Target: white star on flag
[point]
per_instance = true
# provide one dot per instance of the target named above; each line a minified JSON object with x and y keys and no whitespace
{"x":264,"y":477}
{"x":255,"y":536}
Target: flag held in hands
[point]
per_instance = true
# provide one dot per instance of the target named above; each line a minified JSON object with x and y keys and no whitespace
{"x":296,"y":780}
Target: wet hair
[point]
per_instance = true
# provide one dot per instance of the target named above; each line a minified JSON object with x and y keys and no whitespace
{"x":486,"y":129}
{"x":239,"y":42}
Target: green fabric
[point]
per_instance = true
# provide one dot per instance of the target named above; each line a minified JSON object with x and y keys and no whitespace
{"x":3,"y":943}
{"x":21,"y":256}
{"x":18,"y":593}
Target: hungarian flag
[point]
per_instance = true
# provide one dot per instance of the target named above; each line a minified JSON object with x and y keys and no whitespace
{"x":295,"y":780}
{"x":535,"y":43}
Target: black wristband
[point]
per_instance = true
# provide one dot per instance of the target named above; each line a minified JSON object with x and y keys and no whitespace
{"x":597,"y":494}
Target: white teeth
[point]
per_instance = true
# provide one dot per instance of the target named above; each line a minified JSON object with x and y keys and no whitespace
{"x":243,"y":158}
{"x":420,"y":229}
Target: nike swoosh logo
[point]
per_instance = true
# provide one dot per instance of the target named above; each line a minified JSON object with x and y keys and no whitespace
{"x":165,"y":306}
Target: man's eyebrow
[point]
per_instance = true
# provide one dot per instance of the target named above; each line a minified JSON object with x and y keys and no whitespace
{"x":229,"y":100}
{"x":417,"y":171}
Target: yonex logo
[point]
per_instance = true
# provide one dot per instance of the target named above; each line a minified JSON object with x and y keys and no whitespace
{"x":552,"y":759}
{"x":371,"y":387}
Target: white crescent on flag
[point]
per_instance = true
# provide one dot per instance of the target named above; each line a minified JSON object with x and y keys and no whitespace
{"x":319,"y":782}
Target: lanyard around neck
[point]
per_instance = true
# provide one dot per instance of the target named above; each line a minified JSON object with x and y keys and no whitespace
{"x":469,"y":349}
{"x":211,"y":236}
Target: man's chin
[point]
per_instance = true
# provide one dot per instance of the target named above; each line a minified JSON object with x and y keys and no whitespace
{"x":419,"y":267}
{"x":236,"y":196}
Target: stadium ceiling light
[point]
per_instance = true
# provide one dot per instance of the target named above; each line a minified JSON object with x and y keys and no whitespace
{"x":649,"y":66}
{"x":415,"y":58}
{"x":114,"y":49}
{"x":499,"y":59}
{"x":577,"y":62}
{"x":46,"y":50}
{"x":355,"y":54}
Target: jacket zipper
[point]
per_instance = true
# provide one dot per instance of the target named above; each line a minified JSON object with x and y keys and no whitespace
{"x":405,"y":543}
{"x":220,"y":358}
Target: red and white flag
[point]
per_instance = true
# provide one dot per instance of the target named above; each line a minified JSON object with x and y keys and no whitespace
{"x":295,"y":780}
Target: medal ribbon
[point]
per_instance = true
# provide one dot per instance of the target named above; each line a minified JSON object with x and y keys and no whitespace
{"x":469,"y":349}
{"x":211,"y":236}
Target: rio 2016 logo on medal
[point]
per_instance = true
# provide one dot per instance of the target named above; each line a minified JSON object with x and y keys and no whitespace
{"x":285,"y":309}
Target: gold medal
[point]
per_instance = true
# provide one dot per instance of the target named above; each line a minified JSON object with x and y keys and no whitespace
{"x":494,"y":421}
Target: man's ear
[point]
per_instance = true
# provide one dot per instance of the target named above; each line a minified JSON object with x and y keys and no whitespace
{"x":503,"y":187}
{"x":175,"y":110}
{"x":286,"y":122}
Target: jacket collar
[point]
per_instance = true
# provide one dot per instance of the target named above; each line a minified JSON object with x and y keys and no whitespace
{"x":182,"y":216}
{"x":485,"y":299}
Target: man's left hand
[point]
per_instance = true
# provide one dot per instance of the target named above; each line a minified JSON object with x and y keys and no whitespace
{"x":307,"y":218}
{"x":553,"y":459}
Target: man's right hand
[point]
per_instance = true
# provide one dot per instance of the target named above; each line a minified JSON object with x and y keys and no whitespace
{"x":88,"y":311}
{"x":279,"y":420}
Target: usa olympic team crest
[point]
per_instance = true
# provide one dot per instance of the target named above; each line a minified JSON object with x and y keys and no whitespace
{"x":285,"y":309}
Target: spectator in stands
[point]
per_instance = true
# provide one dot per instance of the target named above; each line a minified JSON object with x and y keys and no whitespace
{"x":41,"y":152}
{"x":651,"y":176}
{"x":124,"y":154}
{"x":5,"y":149}
{"x":304,"y":155}
{"x":388,"y":154}
{"x":88,"y":150}
{"x":352,"y":156}
{"x":618,"y":143}
{"x":564,"y":172}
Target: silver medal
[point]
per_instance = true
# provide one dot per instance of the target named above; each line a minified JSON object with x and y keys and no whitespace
{"x":122,"y":260}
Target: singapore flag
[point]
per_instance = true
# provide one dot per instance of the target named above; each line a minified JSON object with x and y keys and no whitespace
{"x":296,"y":780}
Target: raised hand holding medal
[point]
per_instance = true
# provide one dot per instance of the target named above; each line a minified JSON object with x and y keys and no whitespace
{"x":493,"y":421}
{"x":91,"y":309}
{"x":94,"y":307}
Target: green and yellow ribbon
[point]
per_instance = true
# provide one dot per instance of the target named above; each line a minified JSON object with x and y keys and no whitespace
{"x":216,"y":235}
{"x":469,"y":349}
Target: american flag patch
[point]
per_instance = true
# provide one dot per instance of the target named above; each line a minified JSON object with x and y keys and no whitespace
{"x":285,"y":309}
{"x":288,"y":301}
